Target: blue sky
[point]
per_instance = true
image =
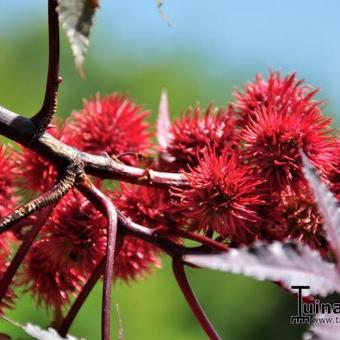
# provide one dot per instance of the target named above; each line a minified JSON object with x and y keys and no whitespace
{"x":244,"y":35}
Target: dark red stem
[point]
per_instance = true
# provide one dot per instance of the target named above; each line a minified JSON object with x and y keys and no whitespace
{"x":192,"y":236}
{"x":105,"y":204}
{"x":86,"y":290}
{"x":22,"y":251}
{"x":196,"y":308}
{"x":49,"y":106}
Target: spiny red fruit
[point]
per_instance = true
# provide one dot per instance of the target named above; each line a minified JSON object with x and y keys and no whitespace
{"x":286,"y":93}
{"x":6,"y":177}
{"x":194,"y":132}
{"x":8,"y":202}
{"x":32,"y":171}
{"x":77,"y":232}
{"x":146,"y":206}
{"x":222,"y":196}
{"x":51,"y":284}
{"x":273,"y":141}
{"x":296,"y":217}
{"x":111,"y":124}
{"x":73,"y":241}
{"x":135,"y":260}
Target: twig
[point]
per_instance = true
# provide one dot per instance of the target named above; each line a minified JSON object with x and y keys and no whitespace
{"x":49,"y":106}
{"x":23,"y":131}
{"x":99,"y":199}
{"x":22,"y":251}
{"x":196,"y":308}
{"x":50,"y":197}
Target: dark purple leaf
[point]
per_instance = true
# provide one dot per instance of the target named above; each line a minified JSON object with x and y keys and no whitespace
{"x":287,"y":263}
{"x":327,"y":205}
{"x":324,"y":327}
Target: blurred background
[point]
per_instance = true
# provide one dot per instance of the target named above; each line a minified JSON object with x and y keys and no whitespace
{"x":210,"y":48}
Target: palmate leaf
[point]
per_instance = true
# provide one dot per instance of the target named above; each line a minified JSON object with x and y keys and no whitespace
{"x":327,"y":205}
{"x":77,"y":17}
{"x":324,"y":327}
{"x":287,"y":263}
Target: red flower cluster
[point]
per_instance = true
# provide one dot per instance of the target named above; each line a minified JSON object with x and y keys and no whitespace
{"x":34,"y":173}
{"x":192,"y":134}
{"x":111,"y":124}
{"x":147,"y":206}
{"x":71,"y":244}
{"x":73,"y":239}
{"x":8,"y":200}
{"x":241,"y":163}
{"x":280,"y":120}
{"x":257,"y":190}
{"x":49,"y":282}
{"x":223,"y":195}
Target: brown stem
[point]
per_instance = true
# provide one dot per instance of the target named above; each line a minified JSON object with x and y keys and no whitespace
{"x":22,"y":251}
{"x":99,"y":199}
{"x":196,"y":308}
{"x":50,"y":197}
{"x":49,"y":106}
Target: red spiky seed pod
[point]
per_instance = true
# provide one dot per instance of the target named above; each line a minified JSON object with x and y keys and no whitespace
{"x":8,"y":202}
{"x":222,"y":195}
{"x":78,"y":234}
{"x":148,"y":207}
{"x":193,"y":133}
{"x":33,"y":172}
{"x":296,"y":217}
{"x":135,"y":260}
{"x":276,"y":92}
{"x":273,"y":141}
{"x":51,"y":284}
{"x":110,"y":124}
